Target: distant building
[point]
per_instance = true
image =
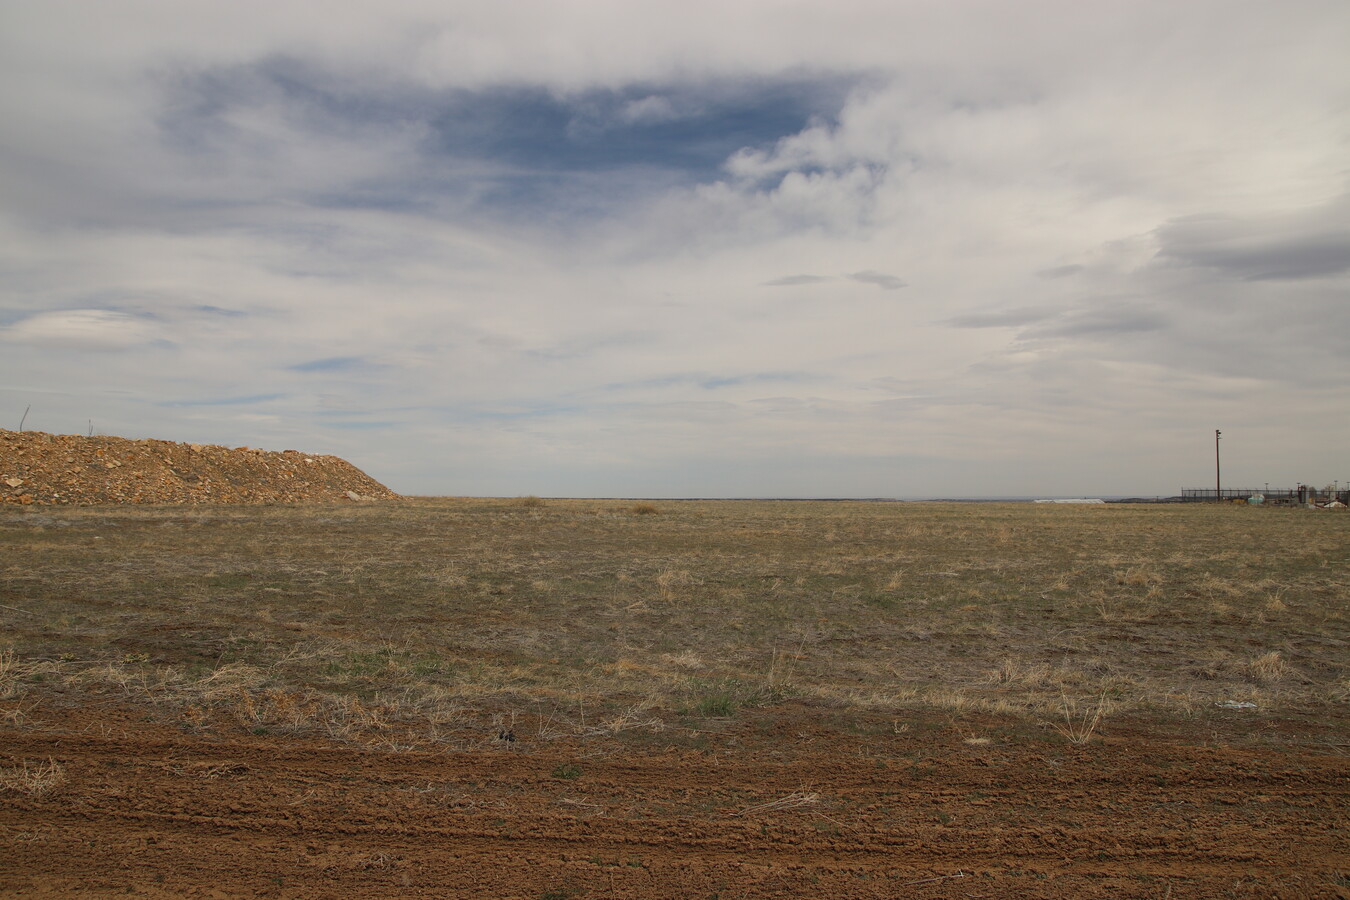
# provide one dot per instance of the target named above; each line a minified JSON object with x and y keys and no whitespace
{"x":1084,"y":500}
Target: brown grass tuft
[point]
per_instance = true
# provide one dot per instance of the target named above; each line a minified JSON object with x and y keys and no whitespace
{"x":1013,"y":672}
{"x":33,"y":779}
{"x":1080,"y":720}
{"x":1267,"y":668}
{"x":9,"y":674}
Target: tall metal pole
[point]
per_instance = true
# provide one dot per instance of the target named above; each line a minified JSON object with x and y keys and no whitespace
{"x":1218,"y":482}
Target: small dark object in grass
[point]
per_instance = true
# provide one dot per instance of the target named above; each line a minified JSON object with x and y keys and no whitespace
{"x":645,"y":509}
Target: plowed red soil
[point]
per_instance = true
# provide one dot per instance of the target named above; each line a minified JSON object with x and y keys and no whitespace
{"x":783,"y":802}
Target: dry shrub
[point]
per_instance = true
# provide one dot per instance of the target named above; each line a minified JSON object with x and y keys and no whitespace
{"x":447,"y":577}
{"x":1208,"y":670}
{"x":645,"y":509}
{"x":1218,"y":589}
{"x":631,"y":719}
{"x":530,"y":502}
{"x":1139,"y":577}
{"x":269,"y":708}
{"x":135,"y":681}
{"x":350,"y":713}
{"x":237,"y":691}
{"x":685,"y":659}
{"x":14,"y":673}
{"x":1011,"y":671}
{"x":1267,"y":667}
{"x":952,"y":699}
{"x":9,"y":675}
{"x":671,"y":579}
{"x":229,"y":681}
{"x":1080,"y":720}
{"x":625,"y":666}
{"x":33,"y":779}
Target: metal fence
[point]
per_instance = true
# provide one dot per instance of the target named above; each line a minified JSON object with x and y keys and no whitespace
{"x":1303,"y":494}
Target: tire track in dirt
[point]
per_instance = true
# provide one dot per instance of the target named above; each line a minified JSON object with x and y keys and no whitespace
{"x":145,"y":806}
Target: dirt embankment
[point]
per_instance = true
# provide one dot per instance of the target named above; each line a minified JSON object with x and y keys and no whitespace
{"x":85,"y":471}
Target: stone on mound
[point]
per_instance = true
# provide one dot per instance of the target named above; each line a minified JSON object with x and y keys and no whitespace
{"x":86,"y":471}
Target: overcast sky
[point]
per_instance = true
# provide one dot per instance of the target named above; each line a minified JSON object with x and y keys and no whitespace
{"x":751,"y":248}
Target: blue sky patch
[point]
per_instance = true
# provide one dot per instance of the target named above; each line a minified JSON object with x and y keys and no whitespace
{"x":533,"y":143}
{"x":330,"y":364}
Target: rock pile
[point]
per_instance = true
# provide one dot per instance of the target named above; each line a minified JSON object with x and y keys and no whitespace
{"x":87,"y":471}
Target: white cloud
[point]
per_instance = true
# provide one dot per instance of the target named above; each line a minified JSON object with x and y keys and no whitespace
{"x":648,"y":109}
{"x":81,"y":329}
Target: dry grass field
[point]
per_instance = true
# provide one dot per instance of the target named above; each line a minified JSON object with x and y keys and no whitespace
{"x":794,"y":665}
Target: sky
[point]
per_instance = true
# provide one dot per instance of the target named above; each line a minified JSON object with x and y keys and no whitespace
{"x":699,"y":249}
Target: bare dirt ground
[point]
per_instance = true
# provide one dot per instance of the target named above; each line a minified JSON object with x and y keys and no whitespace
{"x":71,"y":469}
{"x":784,"y":803}
{"x":708,"y":700}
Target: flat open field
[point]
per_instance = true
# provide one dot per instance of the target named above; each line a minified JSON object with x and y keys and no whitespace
{"x":573,"y":699}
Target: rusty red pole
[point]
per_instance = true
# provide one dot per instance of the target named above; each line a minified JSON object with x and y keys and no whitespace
{"x":1218,"y":482}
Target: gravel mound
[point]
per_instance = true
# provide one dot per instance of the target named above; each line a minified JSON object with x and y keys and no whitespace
{"x":87,"y":471}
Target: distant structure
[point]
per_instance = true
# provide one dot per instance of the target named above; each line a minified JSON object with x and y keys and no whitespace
{"x":1084,"y":500}
{"x":1303,"y":495}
